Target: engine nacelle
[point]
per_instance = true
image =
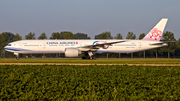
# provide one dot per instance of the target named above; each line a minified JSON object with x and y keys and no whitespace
{"x":72,"y":52}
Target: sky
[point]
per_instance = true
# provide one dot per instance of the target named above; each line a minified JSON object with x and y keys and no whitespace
{"x":91,"y":17}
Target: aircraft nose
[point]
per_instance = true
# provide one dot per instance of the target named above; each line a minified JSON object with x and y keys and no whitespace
{"x":5,"y":47}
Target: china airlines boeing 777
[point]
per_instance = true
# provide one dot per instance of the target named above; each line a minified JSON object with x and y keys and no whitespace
{"x":72,"y":48}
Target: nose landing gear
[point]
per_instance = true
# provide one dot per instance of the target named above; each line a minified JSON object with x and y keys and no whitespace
{"x":17,"y":56}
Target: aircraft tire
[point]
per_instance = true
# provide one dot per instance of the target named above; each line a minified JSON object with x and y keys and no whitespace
{"x":83,"y":57}
{"x":94,"y":58}
{"x":17,"y":58}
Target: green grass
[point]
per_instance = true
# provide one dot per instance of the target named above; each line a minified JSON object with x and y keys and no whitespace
{"x":90,"y":83}
{"x":97,"y":61}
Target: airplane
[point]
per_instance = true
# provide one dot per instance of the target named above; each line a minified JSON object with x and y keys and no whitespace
{"x":72,"y":48}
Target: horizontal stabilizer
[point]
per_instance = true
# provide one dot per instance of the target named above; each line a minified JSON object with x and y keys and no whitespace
{"x":157,"y":43}
{"x":160,"y":44}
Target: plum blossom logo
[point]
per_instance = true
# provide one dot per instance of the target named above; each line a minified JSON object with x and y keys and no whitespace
{"x":105,"y":47}
{"x":155,"y":34}
{"x":98,"y":42}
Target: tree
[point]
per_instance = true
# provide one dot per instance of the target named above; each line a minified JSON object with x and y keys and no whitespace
{"x":8,"y":36}
{"x":56,"y":35}
{"x":42,"y":36}
{"x":178,"y":43}
{"x":81,"y":36}
{"x":130,"y":35}
{"x":17,"y":37}
{"x":5,"y":38}
{"x":141,"y":36}
{"x":118,"y":36}
{"x":30,"y":36}
{"x":177,"y":51}
{"x":3,"y":42}
{"x":104,"y":35}
{"x":68,"y":35}
{"x":62,"y":35}
{"x":169,"y":36}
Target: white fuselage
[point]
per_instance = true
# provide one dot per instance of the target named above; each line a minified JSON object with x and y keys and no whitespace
{"x":59,"y":46}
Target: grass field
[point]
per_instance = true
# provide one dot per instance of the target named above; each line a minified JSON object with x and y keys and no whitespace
{"x":101,"y":83}
{"x":93,"y":82}
{"x":97,"y":61}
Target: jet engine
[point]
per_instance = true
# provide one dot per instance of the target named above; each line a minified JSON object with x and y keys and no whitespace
{"x":72,"y":52}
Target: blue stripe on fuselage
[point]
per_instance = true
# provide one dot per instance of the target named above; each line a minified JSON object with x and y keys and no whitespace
{"x":16,"y":49}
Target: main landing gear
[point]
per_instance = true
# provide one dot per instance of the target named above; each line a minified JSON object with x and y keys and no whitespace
{"x":88,"y":55}
{"x":17,"y":56}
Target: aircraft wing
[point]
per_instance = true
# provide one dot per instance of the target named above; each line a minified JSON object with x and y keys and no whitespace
{"x":97,"y":46}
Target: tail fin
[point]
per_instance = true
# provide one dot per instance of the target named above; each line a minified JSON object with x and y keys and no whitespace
{"x":156,"y":32}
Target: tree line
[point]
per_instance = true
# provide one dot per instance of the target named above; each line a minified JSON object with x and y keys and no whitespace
{"x":172,"y":50}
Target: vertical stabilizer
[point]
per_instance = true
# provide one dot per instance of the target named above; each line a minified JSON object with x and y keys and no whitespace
{"x":156,"y":32}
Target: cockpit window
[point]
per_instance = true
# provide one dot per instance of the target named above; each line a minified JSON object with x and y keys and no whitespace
{"x":9,"y":44}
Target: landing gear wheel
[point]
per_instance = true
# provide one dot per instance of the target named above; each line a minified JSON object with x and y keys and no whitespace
{"x":17,"y":58}
{"x":88,"y":55}
{"x":83,"y":57}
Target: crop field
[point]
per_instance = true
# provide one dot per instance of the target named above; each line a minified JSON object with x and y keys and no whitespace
{"x":93,"y":82}
{"x":67,"y":61}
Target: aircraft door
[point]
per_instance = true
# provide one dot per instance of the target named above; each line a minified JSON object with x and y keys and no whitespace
{"x":80,"y":44}
{"x":139,"y":45}
{"x":43,"y":46}
{"x":19,"y":45}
